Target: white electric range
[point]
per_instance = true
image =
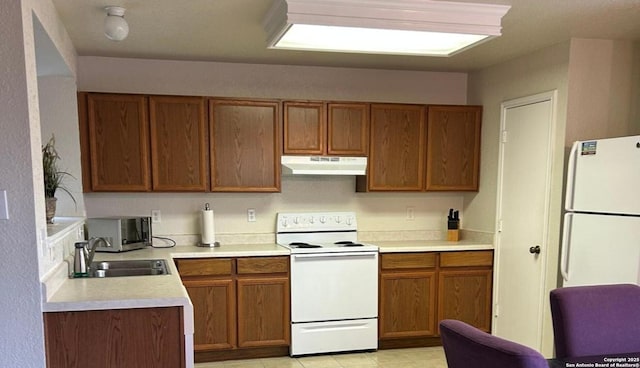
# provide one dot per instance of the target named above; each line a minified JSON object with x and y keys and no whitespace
{"x":334,"y":283}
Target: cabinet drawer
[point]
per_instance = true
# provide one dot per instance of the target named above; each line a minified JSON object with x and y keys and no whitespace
{"x":205,"y":267}
{"x":408,"y":260}
{"x":466,"y":259}
{"x":253,"y":265}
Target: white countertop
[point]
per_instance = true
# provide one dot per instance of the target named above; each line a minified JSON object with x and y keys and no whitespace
{"x":402,"y":246}
{"x":167,"y":290}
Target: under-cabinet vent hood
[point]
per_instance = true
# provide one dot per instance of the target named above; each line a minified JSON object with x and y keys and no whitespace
{"x":323,"y":165}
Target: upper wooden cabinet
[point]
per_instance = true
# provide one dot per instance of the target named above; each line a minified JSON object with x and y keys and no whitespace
{"x":245,"y":151}
{"x":118,"y":138}
{"x":453,"y":147}
{"x":178,"y":143}
{"x":397,"y":153}
{"x":318,"y":128}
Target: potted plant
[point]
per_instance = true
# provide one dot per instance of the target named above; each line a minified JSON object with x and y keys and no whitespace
{"x":53,"y":178}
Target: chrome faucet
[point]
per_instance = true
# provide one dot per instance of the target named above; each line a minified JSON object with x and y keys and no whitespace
{"x":83,"y":256}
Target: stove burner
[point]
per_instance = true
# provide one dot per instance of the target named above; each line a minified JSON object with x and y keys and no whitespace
{"x":304,"y":245}
{"x":348,"y":243}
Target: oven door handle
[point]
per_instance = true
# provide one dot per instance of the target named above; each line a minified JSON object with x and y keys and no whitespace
{"x":336,"y":255}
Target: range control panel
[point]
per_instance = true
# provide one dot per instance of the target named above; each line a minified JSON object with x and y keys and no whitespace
{"x":315,"y":221}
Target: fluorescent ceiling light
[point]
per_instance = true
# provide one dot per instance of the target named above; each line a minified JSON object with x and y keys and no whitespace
{"x":406,"y":27}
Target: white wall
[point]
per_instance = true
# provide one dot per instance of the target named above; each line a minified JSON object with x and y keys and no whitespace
{"x":375,"y":211}
{"x":22,"y":335}
{"x":600,"y":90}
{"x":541,"y":71}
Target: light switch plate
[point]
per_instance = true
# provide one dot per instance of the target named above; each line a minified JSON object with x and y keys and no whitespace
{"x":4,"y":206}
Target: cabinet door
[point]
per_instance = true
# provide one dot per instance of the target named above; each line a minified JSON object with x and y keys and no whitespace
{"x":263,"y":311}
{"x":465,"y":295}
{"x":245,"y":148}
{"x":453,"y":147}
{"x":348,"y":129}
{"x":396,"y":157}
{"x":304,"y":128}
{"x":178,"y":143}
{"x":118,"y":142}
{"x":407,"y":304}
{"x":214,"y":313}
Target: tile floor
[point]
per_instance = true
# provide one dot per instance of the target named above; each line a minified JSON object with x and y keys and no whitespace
{"x":394,"y":358}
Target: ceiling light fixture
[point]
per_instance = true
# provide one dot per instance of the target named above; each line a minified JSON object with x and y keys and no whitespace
{"x":115,"y":26}
{"x":404,"y":27}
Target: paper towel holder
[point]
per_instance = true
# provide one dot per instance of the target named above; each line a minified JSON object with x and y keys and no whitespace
{"x":201,"y":243}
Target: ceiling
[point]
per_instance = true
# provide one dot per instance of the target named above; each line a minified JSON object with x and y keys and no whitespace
{"x":231,"y":31}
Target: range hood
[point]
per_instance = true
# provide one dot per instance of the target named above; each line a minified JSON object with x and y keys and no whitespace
{"x":323,"y":165}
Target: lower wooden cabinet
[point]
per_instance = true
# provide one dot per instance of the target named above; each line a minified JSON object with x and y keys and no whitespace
{"x":143,"y":337}
{"x":241,"y":306}
{"x":418,"y":290}
{"x":464,"y":290}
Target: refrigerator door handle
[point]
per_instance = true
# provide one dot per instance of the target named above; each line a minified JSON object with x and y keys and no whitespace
{"x":564,"y":255}
{"x":571,"y":176}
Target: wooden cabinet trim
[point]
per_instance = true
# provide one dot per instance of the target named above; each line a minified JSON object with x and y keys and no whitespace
{"x":395,"y":261}
{"x":262,"y":265}
{"x":205,"y":267}
{"x":466,"y":258}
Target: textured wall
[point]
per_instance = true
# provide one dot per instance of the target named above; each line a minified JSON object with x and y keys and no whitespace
{"x":21,"y":240}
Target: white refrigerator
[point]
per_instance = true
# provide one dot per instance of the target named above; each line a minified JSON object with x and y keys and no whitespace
{"x":601,"y":234}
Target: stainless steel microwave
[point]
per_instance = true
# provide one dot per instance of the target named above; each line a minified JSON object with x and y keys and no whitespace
{"x":122,"y":233}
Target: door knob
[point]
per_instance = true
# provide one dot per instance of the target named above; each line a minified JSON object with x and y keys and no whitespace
{"x":535,"y":250}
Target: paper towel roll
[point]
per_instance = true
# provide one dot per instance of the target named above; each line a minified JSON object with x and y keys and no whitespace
{"x":208,"y":227}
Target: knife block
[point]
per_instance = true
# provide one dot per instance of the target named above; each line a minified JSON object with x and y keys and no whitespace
{"x":453,"y":235}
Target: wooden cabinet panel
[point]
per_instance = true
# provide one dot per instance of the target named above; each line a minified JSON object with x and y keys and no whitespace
{"x":214,"y":313}
{"x":396,"y":156}
{"x":144,"y":337}
{"x":257,"y":265}
{"x":118,"y":142}
{"x":466,"y":259}
{"x":408,"y":302}
{"x":453,"y":147}
{"x":399,"y":261}
{"x":178,"y":143}
{"x":304,"y":128}
{"x":348,"y":129}
{"x":465,"y":295}
{"x":245,"y":148}
{"x":205,"y":267}
{"x":263,"y":311}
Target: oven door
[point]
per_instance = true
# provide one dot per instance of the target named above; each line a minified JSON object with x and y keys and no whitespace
{"x":334,"y":286}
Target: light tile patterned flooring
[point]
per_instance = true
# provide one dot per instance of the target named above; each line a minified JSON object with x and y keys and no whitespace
{"x":394,"y":358}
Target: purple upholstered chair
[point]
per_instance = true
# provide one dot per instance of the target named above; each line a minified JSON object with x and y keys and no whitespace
{"x":596,"y":320}
{"x":466,"y":346}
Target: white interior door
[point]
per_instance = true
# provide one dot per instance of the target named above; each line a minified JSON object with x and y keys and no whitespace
{"x":522,"y":218}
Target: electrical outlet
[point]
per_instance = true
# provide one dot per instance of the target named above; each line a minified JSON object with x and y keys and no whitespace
{"x":411,"y":213}
{"x":156,"y":216}
{"x":251,"y":215}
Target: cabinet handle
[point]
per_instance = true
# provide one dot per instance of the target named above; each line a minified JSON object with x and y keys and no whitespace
{"x":535,"y":250}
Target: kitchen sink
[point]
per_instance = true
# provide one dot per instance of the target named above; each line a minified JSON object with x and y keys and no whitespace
{"x":143,"y":267}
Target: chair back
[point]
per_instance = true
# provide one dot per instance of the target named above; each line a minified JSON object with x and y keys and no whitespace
{"x":466,"y":346}
{"x":596,"y":320}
